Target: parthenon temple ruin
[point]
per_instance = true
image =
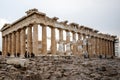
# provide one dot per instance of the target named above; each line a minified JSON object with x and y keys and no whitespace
{"x":21,"y":37}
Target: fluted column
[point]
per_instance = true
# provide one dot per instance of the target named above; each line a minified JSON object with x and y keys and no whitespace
{"x":9,"y":43}
{"x":102,"y":43}
{"x":22,"y":36}
{"x":53,"y":41}
{"x":3,"y":44}
{"x":5,"y":47}
{"x":61,"y":45}
{"x":104,"y":48}
{"x":18,"y":42}
{"x":84,"y":44}
{"x":95,"y":46}
{"x":74,"y":43}
{"x":67,"y":36}
{"x":90,"y":46}
{"x":44,"y":39}
{"x":68,"y":49}
{"x":29,"y":40}
{"x":5,"y":50}
{"x":74,"y":36}
{"x":98,"y":45}
{"x":112,"y":47}
{"x":107,"y":52}
{"x":35,"y":39}
{"x":109,"y":48}
{"x":79,"y":44}
{"x":13,"y":44}
{"x":60,"y":35}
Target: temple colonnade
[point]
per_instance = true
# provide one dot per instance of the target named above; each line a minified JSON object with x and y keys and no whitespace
{"x":85,"y":41}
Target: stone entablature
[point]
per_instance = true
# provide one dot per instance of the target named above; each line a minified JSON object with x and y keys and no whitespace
{"x":15,"y":32}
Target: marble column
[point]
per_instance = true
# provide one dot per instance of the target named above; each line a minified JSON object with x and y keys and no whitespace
{"x":5,"y":49}
{"x":53,"y":41}
{"x":79,"y":45}
{"x":35,"y":39}
{"x":112,"y":44}
{"x":61,"y":44}
{"x":95,"y":46}
{"x":5,"y":52}
{"x":113,"y":48}
{"x":90,"y":46}
{"x":104,"y":48}
{"x":29,"y":40}
{"x":67,"y":36}
{"x":22,"y":40}
{"x":68,"y":48}
{"x":18,"y":42}
{"x":85,"y":45}
{"x":60,"y":35}
{"x":44,"y":39}
{"x":98,"y":45}
{"x":107,"y":52}
{"x":9,"y":44}
{"x":13,"y":44}
{"x":74,"y":43}
{"x":3,"y":45}
{"x":109,"y":48}
{"x":6,"y":44}
{"x":74,"y":37}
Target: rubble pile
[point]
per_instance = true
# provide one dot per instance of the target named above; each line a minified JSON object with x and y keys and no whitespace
{"x":61,"y":68}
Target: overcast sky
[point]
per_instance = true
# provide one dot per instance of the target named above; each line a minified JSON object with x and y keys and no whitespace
{"x":103,"y":15}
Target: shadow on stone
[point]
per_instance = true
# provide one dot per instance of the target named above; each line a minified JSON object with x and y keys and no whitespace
{"x":15,"y":55}
{"x":8,"y":54}
{"x":18,"y":54}
{"x":32,"y":55}
{"x":86,"y":56}
{"x":100,"y":56}
{"x":25,"y":55}
{"x":0,"y":52}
